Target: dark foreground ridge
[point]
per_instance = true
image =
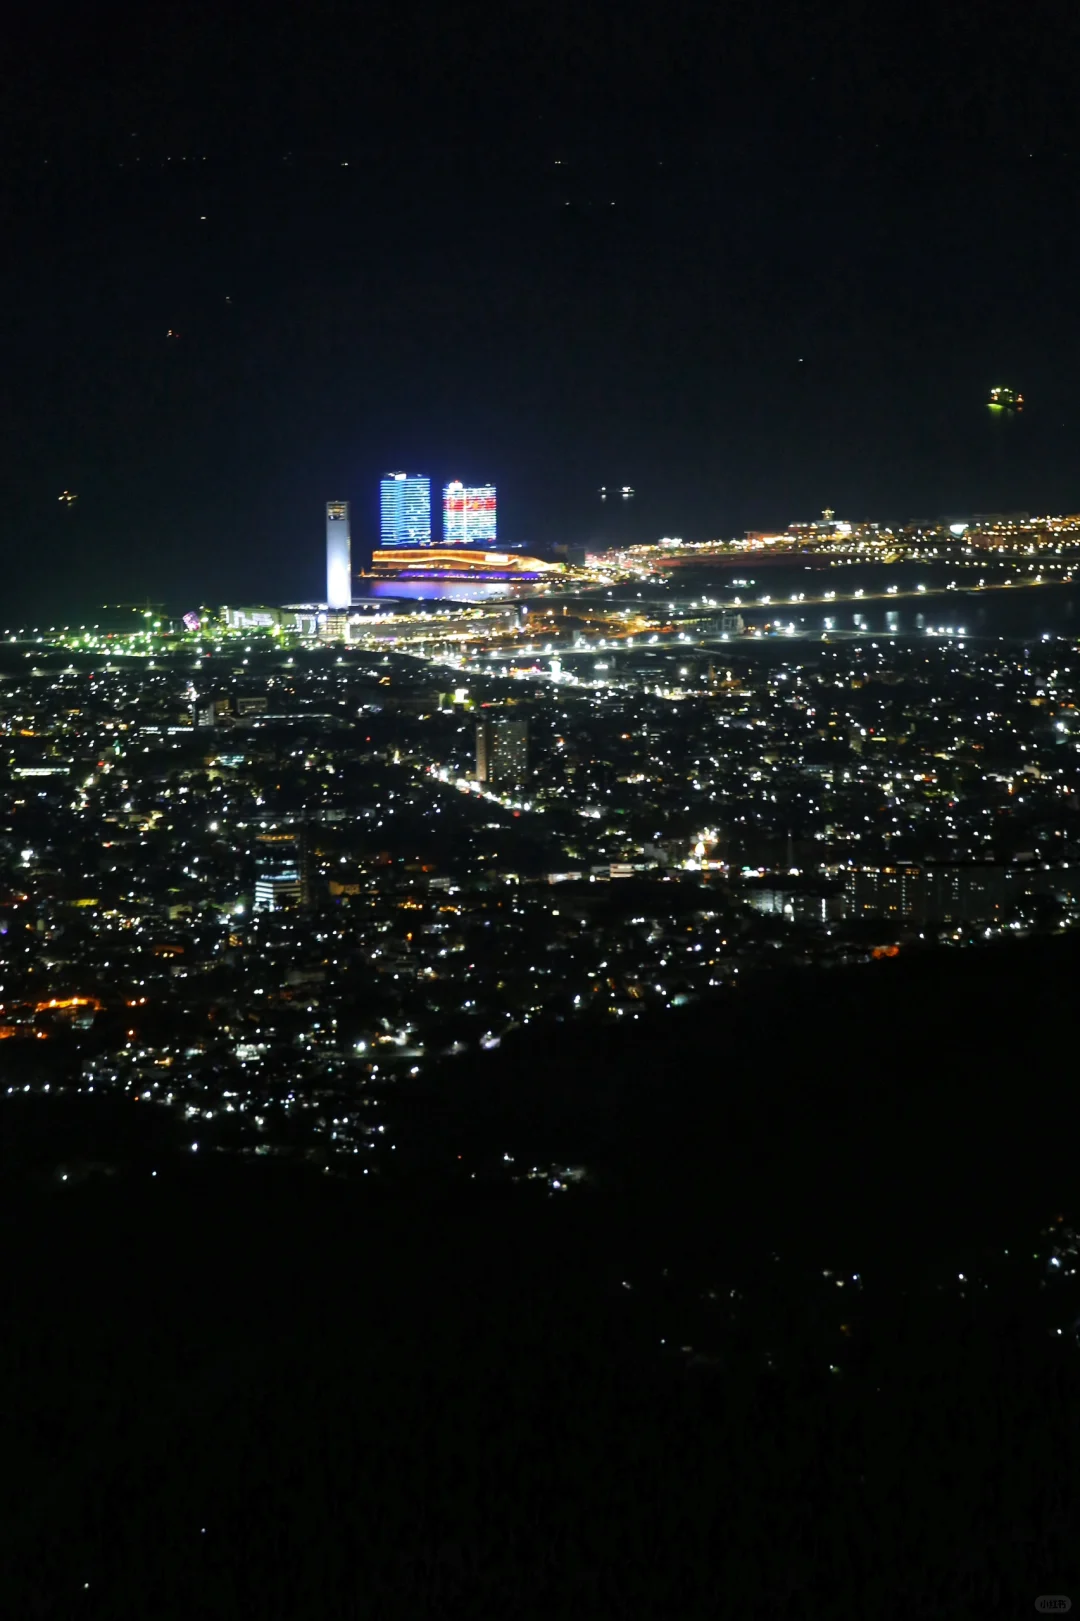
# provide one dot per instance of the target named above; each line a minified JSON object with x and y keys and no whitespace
{"x":793,"y":1350}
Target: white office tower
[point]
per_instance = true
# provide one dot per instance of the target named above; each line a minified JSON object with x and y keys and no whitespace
{"x":338,"y":556}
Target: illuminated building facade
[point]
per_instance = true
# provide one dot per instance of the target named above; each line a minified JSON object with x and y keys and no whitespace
{"x":937,"y":892}
{"x":468,"y":514}
{"x":405,"y":500}
{"x":338,"y":555}
{"x":458,"y":563}
{"x":282,"y":875}
{"x":502,"y":752}
{"x":277,"y":891}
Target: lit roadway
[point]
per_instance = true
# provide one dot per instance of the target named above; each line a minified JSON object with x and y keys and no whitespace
{"x":891,"y":593}
{"x":554,"y":641}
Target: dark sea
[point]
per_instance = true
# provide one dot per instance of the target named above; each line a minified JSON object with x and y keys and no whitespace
{"x":934,"y":598}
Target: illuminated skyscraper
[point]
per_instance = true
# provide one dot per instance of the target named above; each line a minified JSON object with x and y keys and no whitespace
{"x":468,"y":514}
{"x":338,"y":555}
{"x":406,"y":510}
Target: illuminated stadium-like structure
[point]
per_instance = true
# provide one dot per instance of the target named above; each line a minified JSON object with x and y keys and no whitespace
{"x":454,"y":563}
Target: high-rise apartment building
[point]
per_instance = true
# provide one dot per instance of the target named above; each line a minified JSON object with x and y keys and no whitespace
{"x":502,"y":752}
{"x":405,"y":500}
{"x":338,"y":555}
{"x":468,"y":514}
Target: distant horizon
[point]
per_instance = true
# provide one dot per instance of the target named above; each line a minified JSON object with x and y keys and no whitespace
{"x":751,"y":271}
{"x":30,"y":599}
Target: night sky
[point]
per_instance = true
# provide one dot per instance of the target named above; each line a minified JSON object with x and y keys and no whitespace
{"x":753,"y":261}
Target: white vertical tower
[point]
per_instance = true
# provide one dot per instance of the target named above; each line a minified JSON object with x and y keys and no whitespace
{"x":338,"y":556}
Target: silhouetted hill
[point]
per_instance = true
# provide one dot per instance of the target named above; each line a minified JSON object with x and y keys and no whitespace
{"x":896,"y":1098}
{"x":446,"y":1397}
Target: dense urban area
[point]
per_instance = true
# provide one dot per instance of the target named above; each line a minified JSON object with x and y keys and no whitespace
{"x":588,"y":902}
{"x":261,"y":876}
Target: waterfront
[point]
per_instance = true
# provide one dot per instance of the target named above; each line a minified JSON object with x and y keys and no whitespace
{"x":984,"y":598}
{"x":930,"y":597}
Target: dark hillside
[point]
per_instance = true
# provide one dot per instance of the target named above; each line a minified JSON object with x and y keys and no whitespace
{"x":441,"y":1397}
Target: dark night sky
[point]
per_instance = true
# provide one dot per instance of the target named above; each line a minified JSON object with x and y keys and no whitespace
{"x":834,"y":228}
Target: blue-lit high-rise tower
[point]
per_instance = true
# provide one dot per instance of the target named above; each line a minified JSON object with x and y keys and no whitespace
{"x":406,"y":510}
